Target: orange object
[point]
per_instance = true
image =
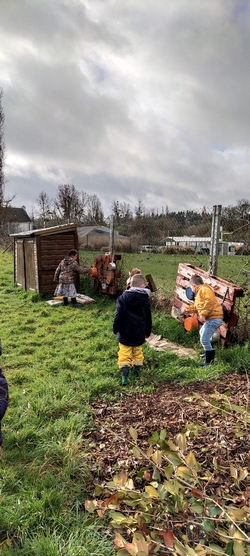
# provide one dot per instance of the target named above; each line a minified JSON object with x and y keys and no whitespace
{"x":93,"y":272}
{"x":190,"y":323}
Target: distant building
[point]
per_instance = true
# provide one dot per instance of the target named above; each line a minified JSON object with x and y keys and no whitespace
{"x":91,"y":234}
{"x":100,"y":231}
{"x":14,"y":220}
{"x":202,"y":245}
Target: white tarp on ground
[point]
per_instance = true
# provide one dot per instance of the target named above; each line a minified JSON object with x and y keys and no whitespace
{"x":80,"y":298}
{"x":160,"y":344}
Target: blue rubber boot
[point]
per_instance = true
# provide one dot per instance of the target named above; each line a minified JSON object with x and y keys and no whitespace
{"x":209,"y":358}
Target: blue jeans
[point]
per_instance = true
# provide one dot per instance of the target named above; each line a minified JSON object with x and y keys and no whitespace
{"x":207,"y":330}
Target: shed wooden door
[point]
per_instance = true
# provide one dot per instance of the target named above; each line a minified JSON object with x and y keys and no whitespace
{"x":31,"y":265}
{"x":52,"y":248}
{"x":20,"y":263}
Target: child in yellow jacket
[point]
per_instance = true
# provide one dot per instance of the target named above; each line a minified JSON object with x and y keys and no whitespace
{"x":209,"y":311}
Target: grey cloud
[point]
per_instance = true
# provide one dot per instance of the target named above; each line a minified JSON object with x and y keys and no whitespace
{"x":128,"y":100}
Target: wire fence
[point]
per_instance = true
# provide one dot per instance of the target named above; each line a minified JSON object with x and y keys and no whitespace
{"x":183,"y":236}
{"x":158,"y":244}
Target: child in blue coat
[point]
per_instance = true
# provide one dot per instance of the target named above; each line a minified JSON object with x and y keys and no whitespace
{"x":132,"y":323}
{"x":3,"y":399}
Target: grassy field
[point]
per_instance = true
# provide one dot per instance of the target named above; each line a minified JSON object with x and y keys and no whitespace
{"x":58,"y":360}
{"x":164,"y":267}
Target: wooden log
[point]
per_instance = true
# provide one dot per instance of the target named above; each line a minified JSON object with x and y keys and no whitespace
{"x":151,"y":282}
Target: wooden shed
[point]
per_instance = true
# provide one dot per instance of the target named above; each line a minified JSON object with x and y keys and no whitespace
{"x":37,"y":254}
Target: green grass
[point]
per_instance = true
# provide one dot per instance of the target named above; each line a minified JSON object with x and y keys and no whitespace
{"x":164,"y":267}
{"x":58,"y":360}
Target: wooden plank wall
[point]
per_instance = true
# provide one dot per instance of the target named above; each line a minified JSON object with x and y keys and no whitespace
{"x":227,"y":292}
{"x":51,"y":249}
{"x":19,"y":266}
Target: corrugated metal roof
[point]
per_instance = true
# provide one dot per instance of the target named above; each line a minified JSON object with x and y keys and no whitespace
{"x":86,"y":230}
{"x":46,"y":231}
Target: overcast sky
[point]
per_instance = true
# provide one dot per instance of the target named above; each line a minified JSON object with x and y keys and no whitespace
{"x":128,"y":100}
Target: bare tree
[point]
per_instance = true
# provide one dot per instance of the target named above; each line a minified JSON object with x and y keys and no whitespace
{"x":140,"y":209}
{"x":123,"y":216}
{"x":82,"y":207}
{"x":95,"y":213}
{"x":116,"y":212}
{"x":121,"y":211}
{"x":4,"y":202}
{"x":44,"y":205}
{"x":67,"y":202}
{"x":2,"y":150}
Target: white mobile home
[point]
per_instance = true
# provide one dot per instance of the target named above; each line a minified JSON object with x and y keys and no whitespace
{"x":202,"y":245}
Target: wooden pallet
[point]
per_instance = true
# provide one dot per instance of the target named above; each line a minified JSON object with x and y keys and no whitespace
{"x":227,"y":292}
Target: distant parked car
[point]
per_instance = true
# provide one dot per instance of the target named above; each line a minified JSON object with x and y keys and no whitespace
{"x":151,"y":249}
{"x":146,"y":249}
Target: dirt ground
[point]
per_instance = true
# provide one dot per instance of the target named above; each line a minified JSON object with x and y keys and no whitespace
{"x":168,"y":408}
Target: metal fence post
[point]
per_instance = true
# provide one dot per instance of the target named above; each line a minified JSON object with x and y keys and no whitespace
{"x":111,"y":240}
{"x":215,"y":236}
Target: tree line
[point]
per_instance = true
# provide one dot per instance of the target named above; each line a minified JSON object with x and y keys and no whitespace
{"x":149,"y":226}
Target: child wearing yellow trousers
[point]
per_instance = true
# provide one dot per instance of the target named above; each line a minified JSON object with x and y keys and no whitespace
{"x":132,"y":323}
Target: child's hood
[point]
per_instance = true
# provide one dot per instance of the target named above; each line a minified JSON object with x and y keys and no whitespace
{"x":136,"y":296}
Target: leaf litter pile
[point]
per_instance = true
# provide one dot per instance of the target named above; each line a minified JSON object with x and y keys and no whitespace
{"x":188,"y":443}
{"x":172,"y":407}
